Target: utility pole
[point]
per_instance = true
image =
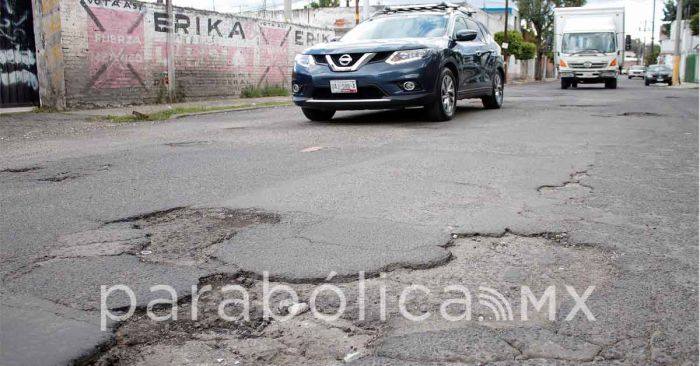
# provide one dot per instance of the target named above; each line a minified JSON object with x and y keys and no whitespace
{"x":171,"y":50}
{"x":653,"y":26}
{"x":357,"y":12}
{"x":365,"y":10}
{"x":505,"y":40}
{"x":677,"y":50}
{"x":287,"y":10}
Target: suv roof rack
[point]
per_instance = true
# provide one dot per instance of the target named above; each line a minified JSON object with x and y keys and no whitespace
{"x":444,"y":6}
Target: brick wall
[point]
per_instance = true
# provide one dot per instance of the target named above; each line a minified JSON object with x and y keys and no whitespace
{"x":114,"y":52}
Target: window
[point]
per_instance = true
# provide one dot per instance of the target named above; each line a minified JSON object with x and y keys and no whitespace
{"x":409,"y":26}
{"x":460,"y":25}
{"x":475,"y":26}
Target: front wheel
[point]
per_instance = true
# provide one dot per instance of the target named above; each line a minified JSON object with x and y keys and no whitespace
{"x":319,"y":115}
{"x":495,"y":100}
{"x":445,"y":104}
{"x":565,"y":84}
{"x":611,"y":84}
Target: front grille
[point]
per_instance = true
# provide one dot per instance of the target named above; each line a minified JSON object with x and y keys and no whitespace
{"x":379,"y":57}
{"x":355,"y":57}
{"x":364,"y":92}
{"x":580,"y":65}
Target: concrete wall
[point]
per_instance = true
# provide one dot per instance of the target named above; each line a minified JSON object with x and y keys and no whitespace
{"x":115,"y":53}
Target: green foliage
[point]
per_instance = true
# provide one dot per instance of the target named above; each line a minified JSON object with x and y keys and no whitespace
{"x":652,"y":58}
{"x":690,"y":9}
{"x":515,"y":39}
{"x":324,"y":4}
{"x":265,"y":91}
{"x":517,"y":47}
{"x":694,"y":24}
{"x":528,"y":50}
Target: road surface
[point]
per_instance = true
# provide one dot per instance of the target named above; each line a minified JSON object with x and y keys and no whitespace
{"x":584,"y":188}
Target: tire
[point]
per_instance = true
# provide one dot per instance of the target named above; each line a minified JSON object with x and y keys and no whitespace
{"x":646,"y":82}
{"x":495,"y":100}
{"x":611,"y":84}
{"x":565,"y":84}
{"x":445,"y":104}
{"x":670,"y":83}
{"x":318,"y":115}
{"x":574,"y":85}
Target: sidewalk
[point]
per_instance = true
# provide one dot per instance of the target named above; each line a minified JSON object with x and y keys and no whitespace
{"x":687,"y":86}
{"x":217,"y":105}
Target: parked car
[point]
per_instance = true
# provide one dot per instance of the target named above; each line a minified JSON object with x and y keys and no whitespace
{"x":428,"y":56}
{"x":659,"y":74}
{"x":638,"y":71}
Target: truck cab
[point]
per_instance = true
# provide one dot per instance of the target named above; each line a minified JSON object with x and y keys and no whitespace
{"x":589,"y":45}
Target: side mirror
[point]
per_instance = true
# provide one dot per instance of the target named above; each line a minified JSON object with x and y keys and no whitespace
{"x":334,"y":39}
{"x":466,"y":35}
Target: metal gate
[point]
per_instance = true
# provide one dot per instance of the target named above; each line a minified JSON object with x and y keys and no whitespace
{"x":690,"y":68}
{"x":19,"y":85}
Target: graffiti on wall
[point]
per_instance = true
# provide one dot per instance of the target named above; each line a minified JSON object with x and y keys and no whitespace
{"x":19,"y":84}
{"x":214,"y":54}
{"x":116,"y":48}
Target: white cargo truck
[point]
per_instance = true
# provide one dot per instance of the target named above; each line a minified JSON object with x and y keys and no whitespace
{"x":589,"y":45}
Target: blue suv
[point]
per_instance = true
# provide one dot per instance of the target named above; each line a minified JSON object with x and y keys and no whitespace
{"x":419,"y":56}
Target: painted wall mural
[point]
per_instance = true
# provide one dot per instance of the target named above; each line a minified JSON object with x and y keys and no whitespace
{"x":19,"y":85}
{"x":215,"y":54}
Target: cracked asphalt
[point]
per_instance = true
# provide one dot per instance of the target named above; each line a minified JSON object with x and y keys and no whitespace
{"x":583,"y":187}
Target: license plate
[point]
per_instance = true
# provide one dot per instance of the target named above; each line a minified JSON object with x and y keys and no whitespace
{"x":343,"y":86}
{"x":660,"y":79}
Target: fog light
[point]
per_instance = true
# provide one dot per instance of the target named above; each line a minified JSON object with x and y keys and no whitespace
{"x":296,"y":88}
{"x":409,"y":86}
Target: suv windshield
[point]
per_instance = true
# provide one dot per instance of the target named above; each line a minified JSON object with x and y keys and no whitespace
{"x":659,"y":68}
{"x":642,"y":68}
{"x":588,"y":42}
{"x":399,"y":27}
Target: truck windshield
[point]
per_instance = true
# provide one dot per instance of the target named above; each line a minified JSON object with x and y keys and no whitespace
{"x":399,"y":27}
{"x":588,"y":42}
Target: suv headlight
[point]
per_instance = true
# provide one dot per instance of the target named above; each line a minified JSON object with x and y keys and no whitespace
{"x":304,"y":60}
{"x":401,"y":57}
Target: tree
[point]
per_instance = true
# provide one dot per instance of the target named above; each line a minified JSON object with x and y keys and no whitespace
{"x":694,"y":24}
{"x":653,"y":58}
{"x":517,"y":47}
{"x":539,"y":14}
{"x":515,"y":40}
{"x":690,"y":8}
{"x":325,"y":4}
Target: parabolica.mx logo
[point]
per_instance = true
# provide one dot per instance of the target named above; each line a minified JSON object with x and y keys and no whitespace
{"x":492,"y":305}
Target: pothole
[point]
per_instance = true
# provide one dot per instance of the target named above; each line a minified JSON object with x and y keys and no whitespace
{"x":640,"y":114}
{"x":573,"y":190}
{"x":21,"y":170}
{"x":60,"y":177}
{"x":581,"y":105}
{"x":182,"y":236}
{"x":498,"y":266}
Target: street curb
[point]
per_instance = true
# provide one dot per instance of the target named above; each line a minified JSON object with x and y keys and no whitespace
{"x":179,"y":116}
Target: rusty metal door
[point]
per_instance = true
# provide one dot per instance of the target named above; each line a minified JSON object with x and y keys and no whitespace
{"x":19,"y":85}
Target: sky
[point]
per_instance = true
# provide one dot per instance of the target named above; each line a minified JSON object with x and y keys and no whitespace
{"x":637,"y":11}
